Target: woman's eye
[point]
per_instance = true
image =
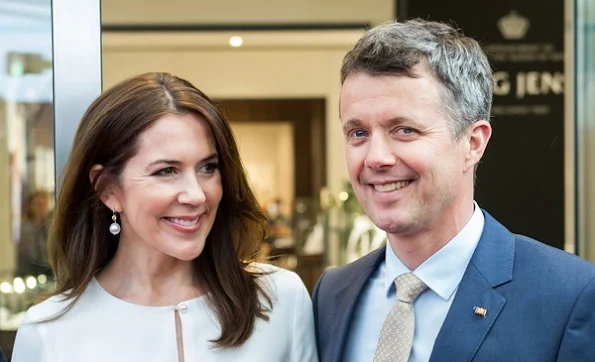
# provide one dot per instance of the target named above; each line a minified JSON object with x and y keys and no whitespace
{"x":210,"y":167}
{"x":165,"y":171}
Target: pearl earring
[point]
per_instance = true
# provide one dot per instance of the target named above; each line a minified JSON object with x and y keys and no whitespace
{"x":114,"y":228}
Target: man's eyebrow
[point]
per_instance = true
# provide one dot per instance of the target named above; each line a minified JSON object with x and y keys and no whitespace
{"x":400,"y":120}
{"x":351,"y":123}
{"x":356,"y":123}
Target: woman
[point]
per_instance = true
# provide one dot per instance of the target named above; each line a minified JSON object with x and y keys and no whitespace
{"x":154,"y":232}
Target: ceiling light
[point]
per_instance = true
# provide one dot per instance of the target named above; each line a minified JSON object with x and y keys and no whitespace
{"x":236,"y":41}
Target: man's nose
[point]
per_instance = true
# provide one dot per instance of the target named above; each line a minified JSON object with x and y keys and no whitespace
{"x":380,"y":153}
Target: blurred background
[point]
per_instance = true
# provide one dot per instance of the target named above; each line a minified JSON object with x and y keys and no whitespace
{"x":274,"y":69}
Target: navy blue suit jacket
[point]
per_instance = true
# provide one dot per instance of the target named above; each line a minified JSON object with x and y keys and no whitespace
{"x":540,"y":304}
{"x":2,"y":357}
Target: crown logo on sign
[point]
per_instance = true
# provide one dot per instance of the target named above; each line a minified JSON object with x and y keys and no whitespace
{"x":513,"y":26}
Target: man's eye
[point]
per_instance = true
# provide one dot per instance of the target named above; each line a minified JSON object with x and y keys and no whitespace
{"x":358,"y":133}
{"x":406,"y":130}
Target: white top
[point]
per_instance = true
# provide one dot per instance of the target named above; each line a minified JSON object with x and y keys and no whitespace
{"x":101,"y":327}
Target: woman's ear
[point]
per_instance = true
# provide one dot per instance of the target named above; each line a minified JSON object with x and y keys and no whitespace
{"x":107,"y":195}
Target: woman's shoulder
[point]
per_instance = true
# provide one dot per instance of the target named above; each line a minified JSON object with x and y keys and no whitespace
{"x":30,"y":343}
{"x":278,"y":281}
{"x":48,"y":308}
{"x":57,"y":304}
{"x":275,"y":273}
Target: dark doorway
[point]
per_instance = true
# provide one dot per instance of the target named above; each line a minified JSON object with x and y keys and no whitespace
{"x":307,"y":117}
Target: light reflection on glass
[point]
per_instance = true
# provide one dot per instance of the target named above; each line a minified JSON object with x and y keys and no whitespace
{"x":31,"y":282}
{"x":6,"y":288}
{"x":42,"y":279}
{"x":19,"y":285}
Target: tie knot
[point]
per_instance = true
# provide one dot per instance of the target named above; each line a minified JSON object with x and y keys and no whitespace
{"x":408,"y":287}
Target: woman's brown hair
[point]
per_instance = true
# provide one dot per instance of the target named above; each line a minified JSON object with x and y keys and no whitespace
{"x":80,"y":243}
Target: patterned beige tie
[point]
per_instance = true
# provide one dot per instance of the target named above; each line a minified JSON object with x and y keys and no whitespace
{"x":396,"y":336}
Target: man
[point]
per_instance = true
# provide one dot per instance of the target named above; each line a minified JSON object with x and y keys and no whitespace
{"x":415,"y":109}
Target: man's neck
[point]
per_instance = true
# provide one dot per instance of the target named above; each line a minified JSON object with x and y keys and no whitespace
{"x":415,"y":248}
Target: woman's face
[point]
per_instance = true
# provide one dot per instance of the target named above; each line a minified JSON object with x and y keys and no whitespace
{"x":168,"y":194}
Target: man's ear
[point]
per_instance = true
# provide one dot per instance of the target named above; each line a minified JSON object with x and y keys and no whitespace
{"x":107,"y":194}
{"x":477,"y":137}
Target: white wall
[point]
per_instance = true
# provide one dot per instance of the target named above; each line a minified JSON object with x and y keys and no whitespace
{"x":245,"y":12}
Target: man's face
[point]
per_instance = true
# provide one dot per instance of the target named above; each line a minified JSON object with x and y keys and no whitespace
{"x":407,"y":169}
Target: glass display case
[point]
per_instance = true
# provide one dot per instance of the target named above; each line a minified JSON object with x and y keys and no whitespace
{"x":27,"y":179}
{"x":584,"y":114}
{"x":17,"y":295}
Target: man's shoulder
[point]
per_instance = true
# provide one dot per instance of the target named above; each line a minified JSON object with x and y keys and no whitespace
{"x":342,"y":275}
{"x":367,"y":261}
{"x":533,"y":259}
{"x":549,"y":262}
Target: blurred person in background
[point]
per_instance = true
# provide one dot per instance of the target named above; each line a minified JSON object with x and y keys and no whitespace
{"x":32,"y":255}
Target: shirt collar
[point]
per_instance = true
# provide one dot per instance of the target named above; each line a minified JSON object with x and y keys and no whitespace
{"x":443,"y":271}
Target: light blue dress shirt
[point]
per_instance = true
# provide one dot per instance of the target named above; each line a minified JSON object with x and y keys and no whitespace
{"x":442,"y":273}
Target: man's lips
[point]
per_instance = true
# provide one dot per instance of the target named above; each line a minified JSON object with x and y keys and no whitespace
{"x":390,"y":186}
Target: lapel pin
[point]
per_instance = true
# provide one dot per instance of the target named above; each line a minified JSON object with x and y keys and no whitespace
{"x":480,"y":311}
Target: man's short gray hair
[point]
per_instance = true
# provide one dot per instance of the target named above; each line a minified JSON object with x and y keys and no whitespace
{"x":457,"y":61}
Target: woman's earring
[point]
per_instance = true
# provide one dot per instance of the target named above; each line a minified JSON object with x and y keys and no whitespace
{"x":114,"y":228}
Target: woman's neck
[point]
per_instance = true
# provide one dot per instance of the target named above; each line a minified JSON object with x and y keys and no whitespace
{"x":145,"y":276}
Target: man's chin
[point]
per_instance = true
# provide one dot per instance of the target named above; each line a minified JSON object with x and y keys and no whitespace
{"x":391,"y":226}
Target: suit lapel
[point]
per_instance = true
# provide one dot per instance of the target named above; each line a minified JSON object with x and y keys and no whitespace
{"x":463,"y":331}
{"x":345,"y":300}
